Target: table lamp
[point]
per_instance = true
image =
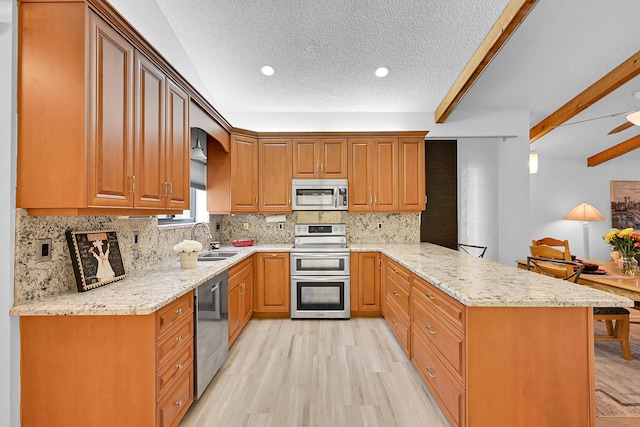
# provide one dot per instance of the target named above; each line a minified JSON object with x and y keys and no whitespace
{"x":584,"y":212}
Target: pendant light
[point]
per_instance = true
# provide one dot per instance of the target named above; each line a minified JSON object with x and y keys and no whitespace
{"x":197,"y":152}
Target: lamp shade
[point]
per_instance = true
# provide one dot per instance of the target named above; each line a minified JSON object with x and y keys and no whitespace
{"x":584,"y":212}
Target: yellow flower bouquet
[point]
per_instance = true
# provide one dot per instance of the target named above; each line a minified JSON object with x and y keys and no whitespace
{"x":627,"y":243}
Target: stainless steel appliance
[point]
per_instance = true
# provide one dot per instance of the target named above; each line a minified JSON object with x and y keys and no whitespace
{"x":211,"y":329}
{"x":320,"y":283}
{"x":319,"y":194}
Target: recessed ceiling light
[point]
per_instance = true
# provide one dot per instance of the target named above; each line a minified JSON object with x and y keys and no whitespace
{"x":268,"y":70}
{"x":382,"y":71}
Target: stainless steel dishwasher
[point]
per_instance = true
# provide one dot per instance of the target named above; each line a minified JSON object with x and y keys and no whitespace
{"x":211,"y":329}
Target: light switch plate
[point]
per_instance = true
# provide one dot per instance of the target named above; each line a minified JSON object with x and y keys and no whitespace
{"x":43,"y":250}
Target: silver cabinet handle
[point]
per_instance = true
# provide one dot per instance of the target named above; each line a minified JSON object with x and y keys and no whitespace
{"x":179,"y":403}
{"x":430,"y":330}
{"x":431,"y":374}
{"x":395,"y":293}
{"x":179,"y":366}
{"x":256,"y":200}
{"x":133,"y":184}
{"x":394,"y":323}
{"x":170,"y":189}
{"x":179,"y":338}
{"x":273,"y":254}
{"x":375,"y":199}
{"x":321,"y":167}
{"x":430,"y":296}
{"x":215,"y":287}
{"x":179,"y":311}
{"x":317,"y":167}
{"x":370,"y":199}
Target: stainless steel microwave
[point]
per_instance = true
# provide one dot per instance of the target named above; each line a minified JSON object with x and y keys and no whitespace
{"x":320,"y":194}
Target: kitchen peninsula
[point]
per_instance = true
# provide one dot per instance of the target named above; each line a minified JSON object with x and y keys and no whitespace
{"x":524,"y":351}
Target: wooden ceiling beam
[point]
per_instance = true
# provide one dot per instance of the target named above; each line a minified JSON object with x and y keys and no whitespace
{"x":607,"y":84}
{"x":511,"y":17}
{"x":616,"y":151}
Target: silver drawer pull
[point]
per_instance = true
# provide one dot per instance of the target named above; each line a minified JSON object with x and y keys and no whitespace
{"x":179,"y":366}
{"x":394,"y":323}
{"x":179,"y":403}
{"x":179,"y":311}
{"x":395,"y":293}
{"x":273,"y":254}
{"x":394,"y":270}
{"x":430,"y":296}
{"x":430,"y":330}
{"x":179,"y":338}
{"x":431,"y":374}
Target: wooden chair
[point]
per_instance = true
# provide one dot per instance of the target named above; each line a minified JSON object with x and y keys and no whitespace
{"x":472,"y":249}
{"x":568,"y":270}
{"x":550,"y":242}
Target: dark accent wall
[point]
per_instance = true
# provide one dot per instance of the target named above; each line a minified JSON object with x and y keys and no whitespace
{"x":440,"y":220}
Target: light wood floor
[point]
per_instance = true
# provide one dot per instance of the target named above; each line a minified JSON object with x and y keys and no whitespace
{"x":332,"y":373}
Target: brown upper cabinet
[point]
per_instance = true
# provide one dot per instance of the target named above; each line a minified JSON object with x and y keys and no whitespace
{"x":274,"y":173}
{"x":100,"y":129}
{"x":411,"y":175}
{"x":386,"y":174}
{"x":373,"y":175}
{"x":244,"y":174}
{"x":320,"y":158}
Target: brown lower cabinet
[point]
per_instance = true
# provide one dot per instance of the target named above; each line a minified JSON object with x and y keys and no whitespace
{"x":365,"y":284}
{"x":494,"y":366}
{"x":240,"y":297}
{"x":107,"y":370}
{"x":273,"y":289}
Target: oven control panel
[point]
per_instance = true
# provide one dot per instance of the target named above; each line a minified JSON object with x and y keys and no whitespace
{"x":320,"y":230}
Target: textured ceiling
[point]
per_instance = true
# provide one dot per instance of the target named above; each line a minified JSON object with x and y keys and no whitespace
{"x":325,"y":52}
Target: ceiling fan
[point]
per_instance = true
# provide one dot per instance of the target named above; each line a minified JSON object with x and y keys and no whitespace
{"x":633,"y":118}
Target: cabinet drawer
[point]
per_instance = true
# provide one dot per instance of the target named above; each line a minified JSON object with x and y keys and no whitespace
{"x":447,"y":340}
{"x":179,"y":363}
{"x":173,"y":313}
{"x":175,"y":403}
{"x":239,"y":268}
{"x":171,"y":342}
{"x":400,"y":273}
{"x":397,"y":292}
{"x":399,"y":324}
{"x":451,"y":309}
{"x":446,"y":390}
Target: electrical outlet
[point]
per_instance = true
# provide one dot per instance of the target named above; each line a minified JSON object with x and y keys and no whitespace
{"x":281,"y":225}
{"x":380,"y":225}
{"x":245,"y":225}
{"x":217,"y":227}
{"x":43,"y":250}
{"x":136,"y":240}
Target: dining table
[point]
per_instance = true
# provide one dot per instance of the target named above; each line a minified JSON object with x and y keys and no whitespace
{"x":607,"y":278}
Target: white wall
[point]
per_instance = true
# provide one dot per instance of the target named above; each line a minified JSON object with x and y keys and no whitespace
{"x":493,"y":196}
{"x":562,"y":183}
{"x":9,"y":330}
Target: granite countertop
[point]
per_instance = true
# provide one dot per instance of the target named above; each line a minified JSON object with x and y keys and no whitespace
{"x":478,"y":282}
{"x":473,"y":281}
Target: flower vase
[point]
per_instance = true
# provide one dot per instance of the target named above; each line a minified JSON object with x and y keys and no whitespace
{"x":188,"y":259}
{"x":628,"y":265}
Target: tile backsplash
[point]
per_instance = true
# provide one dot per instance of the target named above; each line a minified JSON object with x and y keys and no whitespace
{"x":37,"y":280}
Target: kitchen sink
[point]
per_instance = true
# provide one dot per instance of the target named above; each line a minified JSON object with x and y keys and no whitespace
{"x":215,"y":255}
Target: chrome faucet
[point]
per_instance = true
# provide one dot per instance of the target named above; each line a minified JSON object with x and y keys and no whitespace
{"x":209,"y":236}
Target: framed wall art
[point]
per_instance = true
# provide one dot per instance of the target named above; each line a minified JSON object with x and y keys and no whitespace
{"x":96,"y":258}
{"x":625,"y":204}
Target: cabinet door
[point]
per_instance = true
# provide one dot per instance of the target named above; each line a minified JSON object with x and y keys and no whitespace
{"x":178,"y":148}
{"x":110,"y":124}
{"x":369,"y":281}
{"x":247,"y":297}
{"x":272,"y":290}
{"x":275,"y":175}
{"x":411,"y":175}
{"x":244,"y":174}
{"x":333,"y":158}
{"x":306,"y":158}
{"x":385,"y":188}
{"x":235,"y":310}
{"x":149,"y":182}
{"x":360,"y":156}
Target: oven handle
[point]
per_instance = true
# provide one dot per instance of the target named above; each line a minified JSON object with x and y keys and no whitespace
{"x":319,"y":254}
{"x":321,"y":278}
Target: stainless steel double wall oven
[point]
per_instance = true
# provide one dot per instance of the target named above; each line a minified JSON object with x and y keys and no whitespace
{"x":320,"y":284}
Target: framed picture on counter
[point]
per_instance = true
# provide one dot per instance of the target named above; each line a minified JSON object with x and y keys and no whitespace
{"x":96,"y":258}
{"x":625,"y":204}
